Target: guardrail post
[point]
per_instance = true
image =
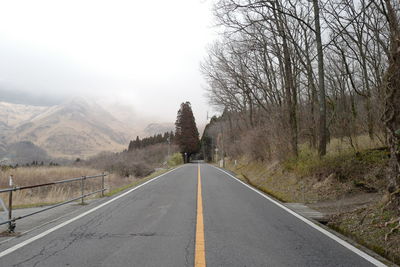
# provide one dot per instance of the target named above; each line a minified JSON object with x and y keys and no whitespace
{"x":82,"y":189}
{"x":11,"y":224}
{"x":102,"y":184}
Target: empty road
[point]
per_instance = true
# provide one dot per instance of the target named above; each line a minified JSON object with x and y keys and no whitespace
{"x":194,"y":215}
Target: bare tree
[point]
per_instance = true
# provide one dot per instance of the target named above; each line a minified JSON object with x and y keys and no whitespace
{"x":391,"y":84}
{"x":306,"y":71}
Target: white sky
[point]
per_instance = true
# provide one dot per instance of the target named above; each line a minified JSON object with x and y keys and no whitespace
{"x":142,"y":53}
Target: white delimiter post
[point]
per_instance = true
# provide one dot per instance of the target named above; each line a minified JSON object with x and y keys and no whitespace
{"x":102,"y":184}
{"x":10,"y":197}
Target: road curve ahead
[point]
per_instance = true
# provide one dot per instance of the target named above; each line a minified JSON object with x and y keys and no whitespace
{"x":171,"y":221}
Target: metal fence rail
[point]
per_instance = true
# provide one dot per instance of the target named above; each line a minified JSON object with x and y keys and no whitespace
{"x":12,"y":221}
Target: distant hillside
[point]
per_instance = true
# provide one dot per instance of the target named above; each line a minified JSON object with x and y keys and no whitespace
{"x":22,"y":153}
{"x":159,"y":128}
{"x":75,"y":128}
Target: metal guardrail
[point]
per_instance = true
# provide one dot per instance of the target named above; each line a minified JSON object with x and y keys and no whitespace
{"x":11,"y":221}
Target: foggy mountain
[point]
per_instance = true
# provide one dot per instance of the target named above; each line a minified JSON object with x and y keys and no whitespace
{"x":75,"y":128}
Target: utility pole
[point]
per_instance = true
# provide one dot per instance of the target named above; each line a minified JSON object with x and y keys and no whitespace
{"x":169,"y":145}
{"x":212,"y":149}
{"x":222,"y":148}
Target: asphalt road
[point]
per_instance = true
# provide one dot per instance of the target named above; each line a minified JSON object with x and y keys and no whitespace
{"x":155,"y":225}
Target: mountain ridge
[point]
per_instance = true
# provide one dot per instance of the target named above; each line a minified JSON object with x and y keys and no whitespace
{"x":75,"y":128}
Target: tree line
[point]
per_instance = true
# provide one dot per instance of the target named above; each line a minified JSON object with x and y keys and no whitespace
{"x":287,"y":72}
{"x":167,"y":137}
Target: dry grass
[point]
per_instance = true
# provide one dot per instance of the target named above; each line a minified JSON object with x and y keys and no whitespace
{"x":56,"y":193}
{"x":267,"y":177}
{"x":309,"y":178}
{"x":358,"y":143}
{"x":371,"y":226}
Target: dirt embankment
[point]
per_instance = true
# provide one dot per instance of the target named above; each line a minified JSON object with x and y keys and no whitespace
{"x":350,"y":188}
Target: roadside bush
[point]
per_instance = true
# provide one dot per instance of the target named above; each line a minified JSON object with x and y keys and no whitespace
{"x":175,"y":160}
{"x":138,"y":163}
{"x":128,"y":168}
{"x":261,"y":143}
{"x":141,"y":169}
{"x":346,"y":165}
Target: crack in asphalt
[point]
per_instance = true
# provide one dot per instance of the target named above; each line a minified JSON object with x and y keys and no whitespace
{"x":69,"y":243}
{"x":41,"y":252}
{"x":91,"y":236}
{"x":187,"y":251}
{"x":77,"y":233}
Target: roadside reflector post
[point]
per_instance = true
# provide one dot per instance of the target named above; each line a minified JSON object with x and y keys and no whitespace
{"x":11,"y":224}
{"x":82,"y":189}
{"x":102,"y":184}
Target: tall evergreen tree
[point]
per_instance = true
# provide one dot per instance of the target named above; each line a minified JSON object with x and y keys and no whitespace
{"x":186,"y":133}
{"x":131,"y":145}
{"x":137,"y":143}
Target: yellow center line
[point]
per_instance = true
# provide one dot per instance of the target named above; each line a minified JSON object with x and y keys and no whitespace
{"x":200,"y":252}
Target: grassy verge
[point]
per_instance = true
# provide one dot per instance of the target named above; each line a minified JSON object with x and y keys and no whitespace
{"x":34,"y":205}
{"x":275,"y":194}
{"x":309,"y":179}
{"x":371,"y":226}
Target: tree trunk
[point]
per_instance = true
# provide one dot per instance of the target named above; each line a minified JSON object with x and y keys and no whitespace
{"x":321,"y":81}
{"x":313,"y":97}
{"x":290,"y":90}
{"x":392,"y":103}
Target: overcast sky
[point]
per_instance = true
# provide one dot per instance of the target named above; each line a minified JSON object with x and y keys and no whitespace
{"x":142,"y":53}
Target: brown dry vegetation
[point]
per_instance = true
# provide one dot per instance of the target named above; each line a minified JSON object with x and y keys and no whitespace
{"x":56,"y":193}
{"x":137,"y":163}
{"x":371,"y":226}
{"x":124,"y":169}
{"x":310,"y":179}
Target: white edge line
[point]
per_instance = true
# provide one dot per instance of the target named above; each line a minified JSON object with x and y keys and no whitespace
{"x":30,"y":240}
{"x":310,"y":223}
